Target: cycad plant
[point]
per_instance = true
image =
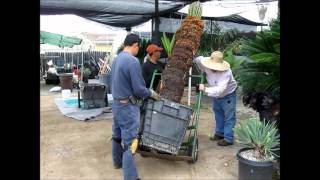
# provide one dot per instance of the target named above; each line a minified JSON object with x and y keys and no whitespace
{"x":235,"y":63}
{"x":187,"y":42}
{"x":217,"y":41}
{"x":263,"y":73}
{"x":261,"y":136}
{"x":260,"y":79}
{"x":235,"y":46}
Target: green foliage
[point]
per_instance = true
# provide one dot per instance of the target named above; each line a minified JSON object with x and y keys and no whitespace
{"x":263,"y":137}
{"x":235,"y":63}
{"x":195,"y":9}
{"x":120,"y":48}
{"x":143,"y":49}
{"x":167,"y":43}
{"x":86,"y":72}
{"x":216,"y":41}
{"x":235,"y":46}
{"x":263,"y":73}
{"x":206,"y":45}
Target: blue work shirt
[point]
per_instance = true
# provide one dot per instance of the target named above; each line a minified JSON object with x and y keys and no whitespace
{"x":127,"y":78}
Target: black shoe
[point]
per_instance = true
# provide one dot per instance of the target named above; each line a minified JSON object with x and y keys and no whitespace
{"x":223,"y":142}
{"x":117,"y":166}
{"x":216,"y":137}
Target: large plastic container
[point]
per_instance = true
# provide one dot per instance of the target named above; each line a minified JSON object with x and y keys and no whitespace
{"x":66,"y":81}
{"x":93,"y":95}
{"x":94,"y":103}
{"x":106,"y":80}
{"x":164,"y":125}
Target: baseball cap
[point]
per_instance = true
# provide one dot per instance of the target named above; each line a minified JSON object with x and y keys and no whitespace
{"x":153,"y":48}
{"x":131,"y":39}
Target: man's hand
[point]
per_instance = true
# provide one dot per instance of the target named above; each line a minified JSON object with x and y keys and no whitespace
{"x":201,"y":87}
{"x":154,"y":95}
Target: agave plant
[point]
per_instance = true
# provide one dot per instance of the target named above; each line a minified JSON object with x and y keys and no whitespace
{"x":261,"y":136}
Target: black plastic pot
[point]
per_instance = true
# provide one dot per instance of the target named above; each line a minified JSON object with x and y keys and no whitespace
{"x":254,"y":170}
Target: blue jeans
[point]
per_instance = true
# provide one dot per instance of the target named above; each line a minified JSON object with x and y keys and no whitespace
{"x":225,"y":115}
{"x":126,"y":120}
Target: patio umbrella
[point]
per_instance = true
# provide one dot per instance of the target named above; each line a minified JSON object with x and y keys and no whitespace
{"x":58,"y":39}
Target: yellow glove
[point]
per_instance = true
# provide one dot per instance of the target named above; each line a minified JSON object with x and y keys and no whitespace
{"x":134,"y":146}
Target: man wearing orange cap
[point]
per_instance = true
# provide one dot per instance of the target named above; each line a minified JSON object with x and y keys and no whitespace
{"x":151,"y":65}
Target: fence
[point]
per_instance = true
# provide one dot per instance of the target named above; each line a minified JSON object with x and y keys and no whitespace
{"x":73,"y":57}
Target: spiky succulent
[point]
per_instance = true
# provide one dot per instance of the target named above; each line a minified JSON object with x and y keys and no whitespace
{"x":261,"y":136}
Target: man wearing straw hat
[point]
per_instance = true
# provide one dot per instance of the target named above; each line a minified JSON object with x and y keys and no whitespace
{"x":222,"y":88}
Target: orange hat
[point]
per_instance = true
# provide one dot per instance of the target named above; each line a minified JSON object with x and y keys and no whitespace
{"x":153,"y":48}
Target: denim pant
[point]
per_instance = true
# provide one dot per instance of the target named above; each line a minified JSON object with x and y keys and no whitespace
{"x":225,"y":115}
{"x":126,"y":120}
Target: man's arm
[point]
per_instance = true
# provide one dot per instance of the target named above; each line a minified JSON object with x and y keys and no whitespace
{"x":137,"y":81}
{"x":198,"y":60}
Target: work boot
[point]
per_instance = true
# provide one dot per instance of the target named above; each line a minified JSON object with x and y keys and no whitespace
{"x":117,"y":166}
{"x":216,"y":137}
{"x":223,"y":142}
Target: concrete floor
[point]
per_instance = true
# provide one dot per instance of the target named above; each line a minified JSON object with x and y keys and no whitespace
{"x":72,"y":149}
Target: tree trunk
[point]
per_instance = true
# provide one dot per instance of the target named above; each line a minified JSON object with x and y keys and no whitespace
{"x":187,"y":42}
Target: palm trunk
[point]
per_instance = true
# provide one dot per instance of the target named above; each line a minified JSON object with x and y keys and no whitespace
{"x":187,"y":42}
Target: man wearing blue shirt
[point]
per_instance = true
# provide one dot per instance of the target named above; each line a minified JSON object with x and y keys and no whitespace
{"x":128,"y":86}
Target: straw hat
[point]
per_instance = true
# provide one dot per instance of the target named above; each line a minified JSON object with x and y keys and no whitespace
{"x":216,"y":62}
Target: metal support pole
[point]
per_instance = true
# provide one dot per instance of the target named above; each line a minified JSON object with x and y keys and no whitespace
{"x":189,"y":88}
{"x":64,"y":55}
{"x":82,"y":67}
{"x":156,"y":33}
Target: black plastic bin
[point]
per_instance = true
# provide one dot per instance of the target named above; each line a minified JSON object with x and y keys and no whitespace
{"x":251,"y":170}
{"x":93,"y":95}
{"x":164,"y":124}
{"x":106,"y":80}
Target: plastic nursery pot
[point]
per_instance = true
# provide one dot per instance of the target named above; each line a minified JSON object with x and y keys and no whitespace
{"x":253,"y":169}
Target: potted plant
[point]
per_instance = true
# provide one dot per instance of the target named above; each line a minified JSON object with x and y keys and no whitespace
{"x":259,"y":140}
